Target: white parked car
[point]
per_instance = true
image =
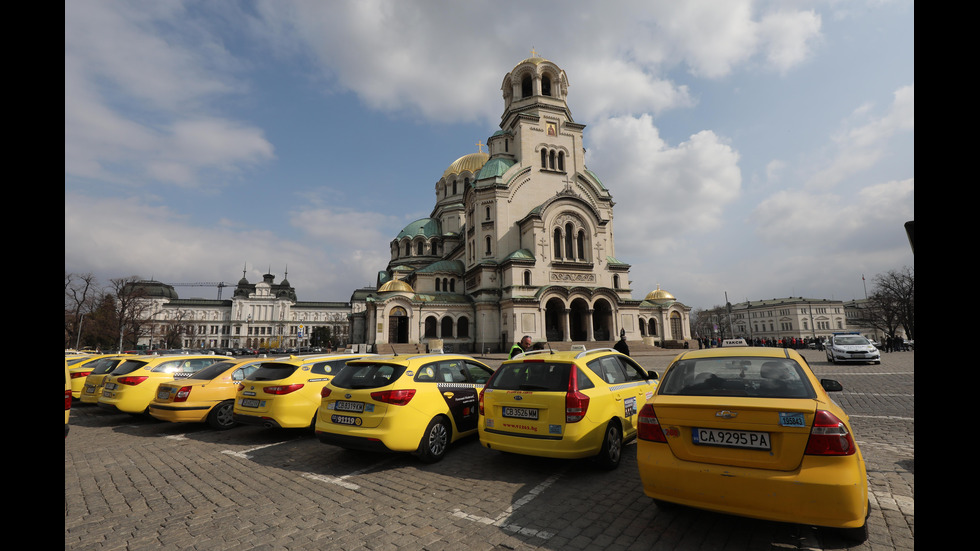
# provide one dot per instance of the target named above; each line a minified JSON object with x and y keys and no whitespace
{"x":851,"y":347}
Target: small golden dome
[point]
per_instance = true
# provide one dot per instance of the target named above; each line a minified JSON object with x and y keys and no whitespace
{"x":396,"y":285}
{"x":660,"y":296}
{"x":467,"y":163}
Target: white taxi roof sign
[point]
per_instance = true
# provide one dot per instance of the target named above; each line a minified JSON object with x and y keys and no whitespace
{"x":733,"y":342}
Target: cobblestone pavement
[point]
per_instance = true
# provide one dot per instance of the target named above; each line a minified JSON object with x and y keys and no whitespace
{"x":136,"y":483}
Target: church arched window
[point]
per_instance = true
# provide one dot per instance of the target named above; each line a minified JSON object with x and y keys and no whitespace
{"x":551,"y":160}
{"x":527,"y":277}
{"x":527,"y":87}
{"x":447,"y":327}
{"x":452,"y":285}
{"x":488,"y":213}
{"x":419,"y":248}
{"x":437,"y":284}
{"x":546,"y":86}
{"x":557,"y":245}
{"x":561,"y":161}
{"x":581,"y":244}
{"x":454,"y":187}
{"x":489,"y":250}
{"x":544,"y":158}
{"x":408,"y":249}
{"x":569,"y":241}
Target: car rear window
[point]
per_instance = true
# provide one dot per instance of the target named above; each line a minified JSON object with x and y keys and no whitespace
{"x":129,"y":366}
{"x":272,"y":371}
{"x":372,"y":375}
{"x":541,"y":376}
{"x":742,"y":376}
{"x":213,"y":370}
{"x":328,"y":367}
{"x":105,"y":365}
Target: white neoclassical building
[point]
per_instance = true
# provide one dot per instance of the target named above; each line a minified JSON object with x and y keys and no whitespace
{"x":264,"y":314}
{"x":520,"y":241}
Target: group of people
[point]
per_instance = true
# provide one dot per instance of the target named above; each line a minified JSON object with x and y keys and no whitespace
{"x":524,"y":345}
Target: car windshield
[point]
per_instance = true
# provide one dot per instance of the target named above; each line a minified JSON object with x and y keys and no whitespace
{"x":213,"y":370}
{"x":128,"y":366}
{"x":546,"y":376}
{"x":741,"y":376}
{"x":850,"y":340}
{"x":373,"y":375}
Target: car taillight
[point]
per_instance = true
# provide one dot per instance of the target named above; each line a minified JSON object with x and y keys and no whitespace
{"x":481,"y":400}
{"x":324,"y":392}
{"x":394,"y":397}
{"x":182,"y":394}
{"x":576,"y":403}
{"x":649,"y":426}
{"x":829,"y":436}
{"x":132,"y":381}
{"x":67,"y":400}
{"x":80,"y":374}
{"x":282,"y":389}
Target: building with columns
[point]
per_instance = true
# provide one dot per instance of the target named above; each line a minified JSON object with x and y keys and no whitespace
{"x":520,"y":241}
{"x":264,"y":314}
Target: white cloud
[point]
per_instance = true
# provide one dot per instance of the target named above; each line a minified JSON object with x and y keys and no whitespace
{"x":861,"y":146}
{"x":664,"y":186}
{"x":140,"y":86}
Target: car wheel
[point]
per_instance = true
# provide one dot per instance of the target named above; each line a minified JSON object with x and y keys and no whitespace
{"x":222,"y":416}
{"x":612,"y":447}
{"x":435,"y":440}
{"x":855,"y":535}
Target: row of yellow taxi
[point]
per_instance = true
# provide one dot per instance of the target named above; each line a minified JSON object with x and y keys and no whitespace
{"x":747,"y":431}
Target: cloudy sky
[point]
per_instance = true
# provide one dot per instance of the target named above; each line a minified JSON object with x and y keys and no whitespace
{"x":756,"y":148}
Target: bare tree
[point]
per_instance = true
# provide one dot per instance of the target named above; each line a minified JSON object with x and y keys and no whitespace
{"x":81,"y":293}
{"x":893,"y":302}
{"x":175,"y":328}
{"x":130,"y":308}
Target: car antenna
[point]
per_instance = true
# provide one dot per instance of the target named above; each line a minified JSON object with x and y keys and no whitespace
{"x":549,"y":347}
{"x":393,"y":352}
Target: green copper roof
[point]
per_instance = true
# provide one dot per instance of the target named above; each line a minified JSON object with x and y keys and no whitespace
{"x":450,"y":266}
{"x":426,"y":227}
{"x":494,"y":168}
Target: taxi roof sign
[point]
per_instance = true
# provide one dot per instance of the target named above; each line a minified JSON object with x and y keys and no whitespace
{"x":733,"y":342}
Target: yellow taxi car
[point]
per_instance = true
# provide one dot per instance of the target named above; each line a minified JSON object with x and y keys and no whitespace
{"x":92,"y":388}
{"x":565,"y":404}
{"x":412,"y":403}
{"x":133,"y":384}
{"x":285,"y":393}
{"x":751,"y":431}
{"x":79,"y":371}
{"x":67,"y":397}
{"x":207,"y":396}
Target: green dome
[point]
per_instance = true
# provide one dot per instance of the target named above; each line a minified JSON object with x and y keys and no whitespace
{"x":426,"y":227}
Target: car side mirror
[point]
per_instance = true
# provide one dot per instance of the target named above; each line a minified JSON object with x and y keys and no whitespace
{"x":831,"y":385}
{"x":652,"y":375}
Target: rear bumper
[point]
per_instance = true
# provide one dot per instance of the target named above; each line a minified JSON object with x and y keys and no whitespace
{"x":180,"y":414}
{"x":353,"y":442}
{"x":824,"y":491}
{"x":575,"y":443}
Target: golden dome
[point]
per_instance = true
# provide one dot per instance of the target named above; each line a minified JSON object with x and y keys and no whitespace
{"x":467,"y":163}
{"x":396,"y":285}
{"x":660,"y":296}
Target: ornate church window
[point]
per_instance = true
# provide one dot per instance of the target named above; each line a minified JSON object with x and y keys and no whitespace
{"x":527,"y":88}
{"x":545,"y":86}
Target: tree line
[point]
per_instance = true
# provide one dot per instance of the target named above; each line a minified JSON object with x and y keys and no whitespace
{"x":104,"y":317}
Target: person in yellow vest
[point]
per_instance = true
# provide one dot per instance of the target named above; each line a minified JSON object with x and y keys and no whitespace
{"x":520,"y":347}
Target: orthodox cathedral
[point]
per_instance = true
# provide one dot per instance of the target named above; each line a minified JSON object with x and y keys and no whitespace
{"x":520,"y":242}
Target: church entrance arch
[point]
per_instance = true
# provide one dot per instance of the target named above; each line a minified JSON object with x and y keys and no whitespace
{"x":578,"y":319}
{"x":676,"y":328}
{"x":398,"y":325}
{"x":554,"y":320}
{"x":602,"y":320}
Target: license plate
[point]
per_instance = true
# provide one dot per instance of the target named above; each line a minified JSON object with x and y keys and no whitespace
{"x":731,"y":438}
{"x":163,"y":394}
{"x":250,"y":403}
{"x":356,"y":407}
{"x":89,"y":389}
{"x":110,"y":386}
{"x":345,"y":420}
{"x":520,"y":413}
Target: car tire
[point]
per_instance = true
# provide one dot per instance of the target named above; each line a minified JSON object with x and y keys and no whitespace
{"x":855,"y":535}
{"x":222,"y":416}
{"x":435,"y":441}
{"x":611,"y":452}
